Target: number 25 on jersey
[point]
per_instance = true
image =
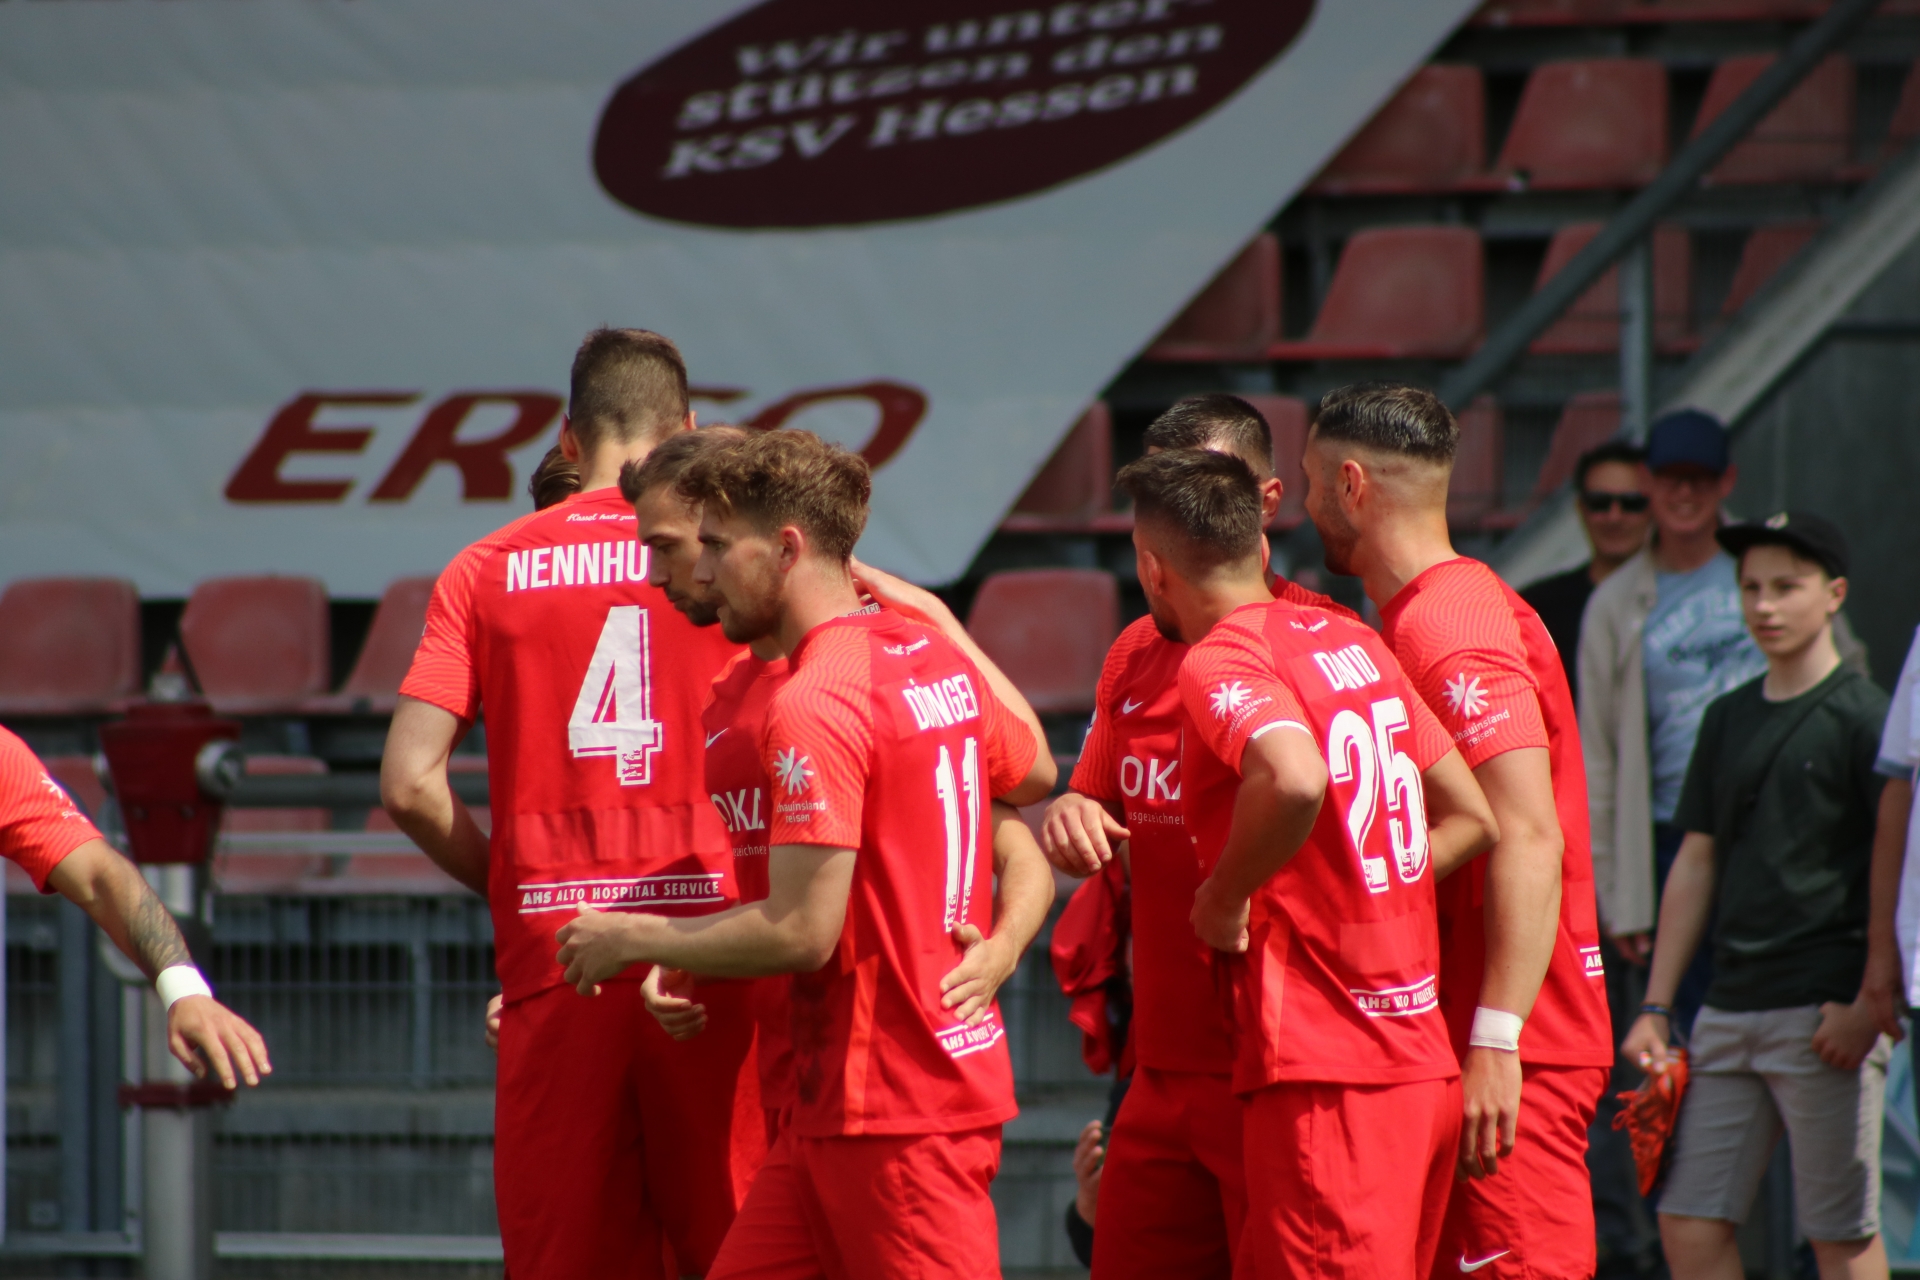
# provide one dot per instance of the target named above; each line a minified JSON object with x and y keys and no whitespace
{"x":613,"y":714}
{"x":1364,"y":754}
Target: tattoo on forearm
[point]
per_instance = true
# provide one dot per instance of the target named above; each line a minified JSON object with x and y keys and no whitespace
{"x":156,"y":939}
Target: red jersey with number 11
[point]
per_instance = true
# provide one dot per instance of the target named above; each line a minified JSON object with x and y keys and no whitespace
{"x":591,"y":684}
{"x":1340,"y":979}
{"x":886,"y":740}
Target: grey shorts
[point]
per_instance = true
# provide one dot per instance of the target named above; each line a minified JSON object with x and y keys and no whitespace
{"x":1754,"y":1073}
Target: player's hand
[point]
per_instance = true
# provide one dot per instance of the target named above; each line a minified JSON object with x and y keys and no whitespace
{"x":1220,"y":918}
{"x":1885,"y":995}
{"x":1846,"y":1036}
{"x":1490,"y":1083}
{"x":903,"y":597}
{"x":493,"y":1022}
{"x":1646,"y":1043}
{"x":1078,"y":834}
{"x":969,"y":988}
{"x":202,"y":1025}
{"x":668,"y":994}
{"x":1089,"y":1158}
{"x":596,"y":945}
{"x":1636,"y":947}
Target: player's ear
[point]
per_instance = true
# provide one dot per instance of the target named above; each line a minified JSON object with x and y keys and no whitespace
{"x":569,"y":440}
{"x":1353,"y":484}
{"x":1270,"y":495}
{"x":792,"y":545}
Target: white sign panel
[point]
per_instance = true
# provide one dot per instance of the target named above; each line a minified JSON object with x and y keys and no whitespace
{"x":292,"y":286}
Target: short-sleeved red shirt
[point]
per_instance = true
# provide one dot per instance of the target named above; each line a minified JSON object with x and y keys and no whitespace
{"x":885,"y":739}
{"x":735,"y":722}
{"x":591,"y":684}
{"x":1340,"y":979}
{"x":39,"y":822}
{"x":1483,"y":661}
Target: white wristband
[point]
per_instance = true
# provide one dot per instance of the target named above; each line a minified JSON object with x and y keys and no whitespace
{"x":177,"y":982}
{"x":1496,"y":1029}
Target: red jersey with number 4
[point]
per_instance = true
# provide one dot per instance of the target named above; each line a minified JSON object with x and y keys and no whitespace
{"x":735,"y":721}
{"x":591,"y":684}
{"x":1484,"y":662}
{"x":1340,"y":979}
{"x":39,"y":822}
{"x":886,"y":740}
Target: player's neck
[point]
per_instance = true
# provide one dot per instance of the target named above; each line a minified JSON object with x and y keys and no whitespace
{"x":600,"y":469}
{"x":815,"y":593}
{"x":1396,"y":552}
{"x":1214,"y":599}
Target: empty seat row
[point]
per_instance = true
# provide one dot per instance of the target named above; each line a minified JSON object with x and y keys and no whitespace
{"x":1600,"y":124}
{"x":255,"y":645}
{"x":1419,"y":293}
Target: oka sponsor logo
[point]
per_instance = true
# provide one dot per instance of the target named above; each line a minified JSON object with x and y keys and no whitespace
{"x":804,"y":113}
{"x":1399,"y":1002}
{"x":942,"y":704}
{"x":1348,"y":668}
{"x":476,"y":433}
{"x":1151,"y":776}
{"x":740,"y":810}
{"x":586,"y":564}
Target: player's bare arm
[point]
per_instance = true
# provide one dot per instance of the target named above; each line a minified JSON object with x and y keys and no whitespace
{"x":116,"y":896}
{"x":794,"y":929}
{"x":1523,"y":920}
{"x":1685,"y":904}
{"x":415,"y":790}
{"x":1283,"y":782}
{"x":1079,"y":834}
{"x":1023,"y":893}
{"x":1881,"y":987}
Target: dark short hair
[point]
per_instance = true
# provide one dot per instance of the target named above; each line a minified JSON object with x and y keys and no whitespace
{"x":666,"y":463}
{"x":1216,"y":420}
{"x":1390,"y":417}
{"x":1211,"y":499}
{"x":787,"y":477}
{"x":1612,"y":451}
{"x":628,"y":384}
{"x":554,"y":480}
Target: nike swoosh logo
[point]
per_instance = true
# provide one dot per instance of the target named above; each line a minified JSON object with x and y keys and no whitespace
{"x":1467,"y":1268}
{"x":1129,"y":706}
{"x":713,"y":737}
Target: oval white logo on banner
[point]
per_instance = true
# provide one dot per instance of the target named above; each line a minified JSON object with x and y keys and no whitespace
{"x":809,"y":113}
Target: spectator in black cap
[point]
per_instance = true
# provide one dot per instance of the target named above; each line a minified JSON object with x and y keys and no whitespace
{"x":1778,"y":811}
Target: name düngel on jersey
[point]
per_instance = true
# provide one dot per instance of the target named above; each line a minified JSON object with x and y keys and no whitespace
{"x":943,"y":703}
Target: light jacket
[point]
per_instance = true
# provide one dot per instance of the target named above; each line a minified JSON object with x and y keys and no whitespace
{"x":1613,"y":738}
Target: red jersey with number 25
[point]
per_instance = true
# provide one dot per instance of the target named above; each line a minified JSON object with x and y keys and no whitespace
{"x":591,"y":684}
{"x":735,"y":721}
{"x":886,"y":740}
{"x":1484,"y":662}
{"x":1340,"y":979}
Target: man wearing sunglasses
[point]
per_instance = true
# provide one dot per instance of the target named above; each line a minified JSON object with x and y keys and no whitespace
{"x":1610,"y":483}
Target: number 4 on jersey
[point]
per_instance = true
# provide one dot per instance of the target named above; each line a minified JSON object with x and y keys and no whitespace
{"x":613,"y":714}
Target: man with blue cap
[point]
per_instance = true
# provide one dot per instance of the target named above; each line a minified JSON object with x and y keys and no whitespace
{"x":1662,"y":638}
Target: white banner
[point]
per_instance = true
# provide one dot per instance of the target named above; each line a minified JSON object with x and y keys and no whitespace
{"x":292,"y":286}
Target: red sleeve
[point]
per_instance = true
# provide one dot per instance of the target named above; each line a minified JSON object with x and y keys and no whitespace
{"x":39,"y":822}
{"x":1466,"y":659}
{"x":1232,"y":693}
{"x":1430,"y":742}
{"x":443,"y":672}
{"x":1097,"y":772}
{"x":1007,"y":741}
{"x":818,"y":751}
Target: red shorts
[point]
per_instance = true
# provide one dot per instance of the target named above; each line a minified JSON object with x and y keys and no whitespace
{"x":608,"y":1135}
{"x":1173,"y":1191}
{"x":1347,"y":1181}
{"x":861,"y":1208}
{"x":1534,"y":1218}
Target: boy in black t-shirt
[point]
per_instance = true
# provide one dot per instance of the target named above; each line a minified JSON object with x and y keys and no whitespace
{"x":1778,"y":808}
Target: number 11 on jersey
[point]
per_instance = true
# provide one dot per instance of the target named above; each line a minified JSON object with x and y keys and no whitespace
{"x":613,"y":714}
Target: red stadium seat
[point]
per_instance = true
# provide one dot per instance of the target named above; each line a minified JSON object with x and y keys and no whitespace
{"x":374,"y":683}
{"x":1767,"y":250}
{"x":1236,"y":316}
{"x":1474,"y":491}
{"x":1049,"y":630}
{"x":1589,"y":124}
{"x":1589,"y":420}
{"x":1400,"y":292}
{"x":1592,"y":324}
{"x":68,"y":645}
{"x":241,"y":871}
{"x":1806,"y":138}
{"x":1548,"y":13}
{"x":1287,"y":417}
{"x":1431,"y":136}
{"x":258,"y":644}
{"x":1076,"y":485}
{"x":1904,"y":127}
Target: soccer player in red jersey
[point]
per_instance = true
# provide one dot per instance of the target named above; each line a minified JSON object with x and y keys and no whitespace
{"x":1173,"y":1187}
{"x":1521,"y":980}
{"x":1319,"y":792}
{"x":884,"y":747}
{"x":44,"y":833}
{"x":607,"y":1133}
